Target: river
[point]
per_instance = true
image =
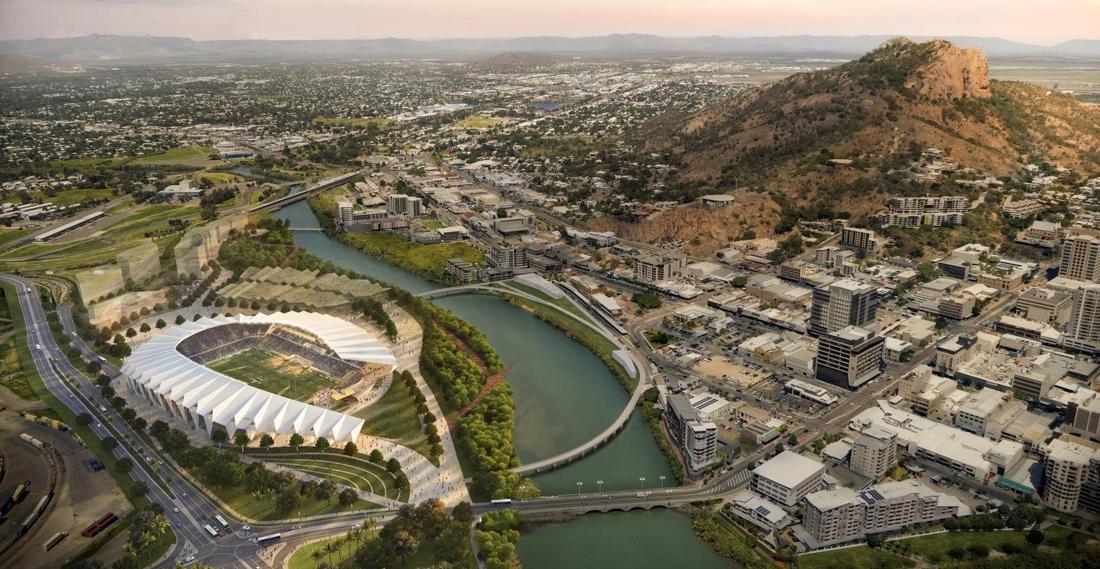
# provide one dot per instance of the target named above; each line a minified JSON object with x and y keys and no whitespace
{"x":564,"y":395}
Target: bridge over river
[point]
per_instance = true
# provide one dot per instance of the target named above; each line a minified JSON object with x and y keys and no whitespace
{"x":642,"y":373}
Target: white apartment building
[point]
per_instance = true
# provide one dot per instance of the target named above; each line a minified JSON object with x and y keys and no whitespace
{"x":1080,"y":258}
{"x":761,"y":513}
{"x":1083,"y":332}
{"x":874,"y":453}
{"x":787,"y":478}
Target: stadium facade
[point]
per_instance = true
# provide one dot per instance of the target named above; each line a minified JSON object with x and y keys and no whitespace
{"x":169,"y":371}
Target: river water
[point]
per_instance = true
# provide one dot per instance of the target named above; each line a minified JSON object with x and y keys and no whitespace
{"x":564,"y":395}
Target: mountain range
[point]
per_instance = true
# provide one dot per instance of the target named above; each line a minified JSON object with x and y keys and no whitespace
{"x":120,"y":49}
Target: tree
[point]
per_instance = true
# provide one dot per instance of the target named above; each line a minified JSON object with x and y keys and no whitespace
{"x":266,"y":441}
{"x":792,"y":440}
{"x":83,"y":419}
{"x":180,"y":320}
{"x":350,"y":449}
{"x":392,"y":466}
{"x":145,"y":327}
{"x":296,"y":441}
{"x":219,"y":436}
{"x":376,"y":457}
{"x":403,"y":545}
{"x":740,"y":282}
{"x":1036,"y":536}
{"x":287,"y":500}
{"x":139,"y":423}
{"x":161,"y":323}
{"x":321,"y":444}
{"x":124,"y":464}
{"x":348,"y":497}
{"x":141,"y":488}
{"x":240,"y":439}
{"x":875,"y":540}
{"x":109,"y":443}
{"x":158,"y":429}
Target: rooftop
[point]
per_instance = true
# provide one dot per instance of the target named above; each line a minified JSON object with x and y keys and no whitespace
{"x":789,"y":469}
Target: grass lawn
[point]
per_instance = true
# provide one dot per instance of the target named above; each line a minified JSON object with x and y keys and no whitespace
{"x":433,"y":223}
{"x":185,"y":155}
{"x":364,"y":122}
{"x":11,"y":234}
{"x":427,"y":260}
{"x":933,"y":548}
{"x":156,"y":549}
{"x":302,"y":558}
{"x":861,"y":557}
{"x":11,"y":372}
{"x":216,"y":177}
{"x":657,"y":340}
{"x":274,"y":373}
{"x":262,"y":508}
{"x":70,"y":197}
{"x":350,"y":471}
{"x":394,"y":417}
{"x":477,"y":121}
{"x":146,"y":217}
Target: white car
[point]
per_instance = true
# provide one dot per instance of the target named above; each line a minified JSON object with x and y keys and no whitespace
{"x":176,"y":510}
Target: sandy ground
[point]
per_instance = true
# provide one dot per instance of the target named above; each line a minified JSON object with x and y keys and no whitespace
{"x":80,"y":498}
{"x":722,"y":368}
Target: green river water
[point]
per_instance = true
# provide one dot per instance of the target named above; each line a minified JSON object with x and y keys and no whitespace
{"x":564,"y":395}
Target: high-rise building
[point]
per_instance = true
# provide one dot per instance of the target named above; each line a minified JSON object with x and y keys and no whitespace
{"x":345,"y":210}
{"x":401,"y":204}
{"x":1071,"y":475}
{"x":654,"y":269}
{"x":849,"y":357}
{"x":844,"y":303}
{"x":697,"y":439}
{"x":874,"y":453}
{"x":840,"y":515}
{"x":1083,"y":413}
{"x":1083,"y":332}
{"x":508,"y":257}
{"x":1080,"y":258}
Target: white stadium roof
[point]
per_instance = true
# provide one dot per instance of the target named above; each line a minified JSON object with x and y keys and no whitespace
{"x":160,"y":368}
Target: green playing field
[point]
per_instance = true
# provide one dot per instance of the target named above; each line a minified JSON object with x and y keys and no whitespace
{"x":273,"y":372}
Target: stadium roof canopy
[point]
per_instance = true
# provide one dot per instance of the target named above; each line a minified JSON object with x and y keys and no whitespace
{"x":157,"y":367}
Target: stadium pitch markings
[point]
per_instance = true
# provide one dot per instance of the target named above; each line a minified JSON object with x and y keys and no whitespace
{"x":274,"y":373}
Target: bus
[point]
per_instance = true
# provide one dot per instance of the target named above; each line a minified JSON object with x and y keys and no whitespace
{"x":213,"y":532}
{"x":501,"y":502}
{"x":56,"y":539}
{"x":221,"y":521}
{"x":267,"y":539}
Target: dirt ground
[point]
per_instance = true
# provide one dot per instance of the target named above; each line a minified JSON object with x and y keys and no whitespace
{"x":81,"y":496}
{"x":722,"y":368}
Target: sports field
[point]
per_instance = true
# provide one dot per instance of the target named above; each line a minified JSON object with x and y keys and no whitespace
{"x":273,"y":372}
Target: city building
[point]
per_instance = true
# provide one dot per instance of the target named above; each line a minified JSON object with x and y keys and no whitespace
{"x":401,"y":204}
{"x":508,"y":257}
{"x":849,"y":357}
{"x":914,"y":212}
{"x":810,"y":392}
{"x":655,"y":269}
{"x":864,"y":241}
{"x":461,"y":270}
{"x":836,"y":516}
{"x":1083,"y":413}
{"x":1080,"y":258}
{"x":1083,"y":332}
{"x":787,"y":478}
{"x":843,"y":303}
{"x":759,"y":512}
{"x":978,"y":408}
{"x":874,"y":453}
{"x":1045,"y":305}
{"x":1071,"y":475}
{"x":697,"y":439}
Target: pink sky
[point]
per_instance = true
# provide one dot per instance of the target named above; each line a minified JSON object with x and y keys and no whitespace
{"x":1034,"y":21}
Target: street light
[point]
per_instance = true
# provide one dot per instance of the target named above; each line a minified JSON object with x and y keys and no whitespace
{"x":599,"y":484}
{"x":579,"y":484}
{"x":662,"y":482}
{"x":642,"y":480}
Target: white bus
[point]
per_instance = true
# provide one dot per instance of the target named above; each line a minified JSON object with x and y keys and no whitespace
{"x":213,"y":532}
{"x":221,"y":521}
{"x":263,"y":541}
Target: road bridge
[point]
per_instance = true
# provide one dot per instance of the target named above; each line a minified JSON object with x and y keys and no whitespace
{"x":325,"y":184}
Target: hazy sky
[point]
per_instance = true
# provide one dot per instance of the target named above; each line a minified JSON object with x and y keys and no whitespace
{"x":1036,"y":21}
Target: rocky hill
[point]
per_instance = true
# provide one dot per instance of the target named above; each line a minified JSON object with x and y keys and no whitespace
{"x":878,"y":111}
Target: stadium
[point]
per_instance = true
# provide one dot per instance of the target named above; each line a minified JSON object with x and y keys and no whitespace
{"x":261,"y":374}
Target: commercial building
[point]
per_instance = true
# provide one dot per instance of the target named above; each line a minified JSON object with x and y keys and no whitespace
{"x":864,"y":241}
{"x":1080,"y":258}
{"x":874,"y":453}
{"x":810,"y":392}
{"x":1071,"y":475}
{"x":1083,"y":413}
{"x":849,"y":357}
{"x":696,"y":439}
{"x":978,"y":408}
{"x":1045,"y":305}
{"x":844,"y":303}
{"x":401,"y":204}
{"x":761,"y":513}
{"x":787,"y":478}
